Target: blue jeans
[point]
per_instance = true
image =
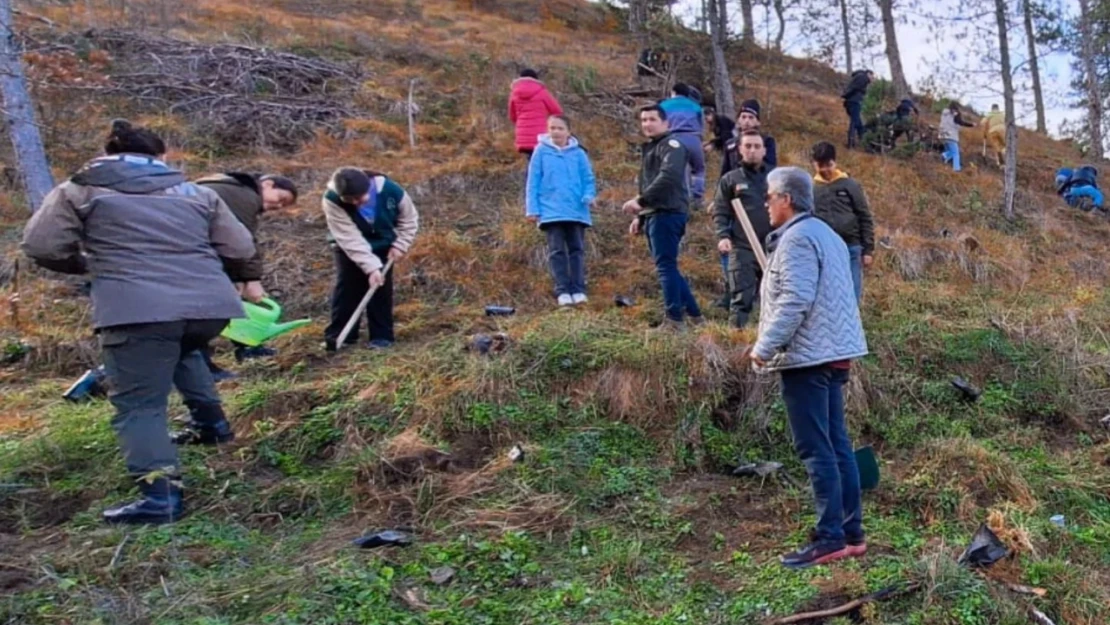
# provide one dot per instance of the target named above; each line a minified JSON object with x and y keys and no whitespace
{"x":855,"y":121}
{"x":566,"y":254}
{"x":952,"y":154}
{"x":695,"y":163}
{"x":855,"y":258}
{"x":814,"y":399}
{"x":664,"y":233}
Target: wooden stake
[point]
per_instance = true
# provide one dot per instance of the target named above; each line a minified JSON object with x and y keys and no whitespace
{"x":749,"y":230}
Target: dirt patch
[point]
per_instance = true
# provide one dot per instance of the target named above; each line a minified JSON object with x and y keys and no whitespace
{"x":729,"y":514}
{"x":33,"y":510}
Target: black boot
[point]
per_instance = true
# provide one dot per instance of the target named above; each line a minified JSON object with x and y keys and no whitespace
{"x":244,"y":352}
{"x":162,"y":502}
{"x":208,"y":426}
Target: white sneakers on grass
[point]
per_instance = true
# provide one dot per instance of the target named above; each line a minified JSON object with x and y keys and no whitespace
{"x":567,"y":299}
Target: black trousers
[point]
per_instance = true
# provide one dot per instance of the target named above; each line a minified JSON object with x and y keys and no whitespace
{"x":744,"y":277}
{"x":351,"y":285}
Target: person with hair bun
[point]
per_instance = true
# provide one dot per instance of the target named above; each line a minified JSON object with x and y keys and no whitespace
{"x":153,"y":244}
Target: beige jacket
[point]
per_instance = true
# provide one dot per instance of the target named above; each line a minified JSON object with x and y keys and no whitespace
{"x":351,"y":240}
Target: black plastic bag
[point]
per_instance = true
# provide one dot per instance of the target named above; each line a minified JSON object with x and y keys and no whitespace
{"x":384,"y":538}
{"x":985,"y":549}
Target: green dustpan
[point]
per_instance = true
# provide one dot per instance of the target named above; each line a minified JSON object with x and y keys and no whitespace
{"x":260,"y":324}
{"x":868,"y":465}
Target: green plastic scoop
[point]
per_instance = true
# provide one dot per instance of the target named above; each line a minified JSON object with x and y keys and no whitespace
{"x":260,"y":324}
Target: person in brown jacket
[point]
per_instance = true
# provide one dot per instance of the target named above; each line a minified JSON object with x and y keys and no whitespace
{"x":249,"y":197}
{"x":153,"y":243}
{"x":371,"y":220}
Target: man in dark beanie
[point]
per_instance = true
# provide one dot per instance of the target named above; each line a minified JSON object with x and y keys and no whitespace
{"x":748,"y":120}
{"x":371,"y":220}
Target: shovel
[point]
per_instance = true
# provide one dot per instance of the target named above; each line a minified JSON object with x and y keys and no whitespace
{"x":342,"y":340}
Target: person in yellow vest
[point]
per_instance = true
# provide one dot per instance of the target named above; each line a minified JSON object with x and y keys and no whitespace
{"x":994,"y":134}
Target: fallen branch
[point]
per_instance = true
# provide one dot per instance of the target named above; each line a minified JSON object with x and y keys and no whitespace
{"x":882,"y":595}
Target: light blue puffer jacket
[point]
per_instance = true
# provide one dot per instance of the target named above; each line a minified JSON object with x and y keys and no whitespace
{"x":809,"y":315}
{"x":560,"y":183}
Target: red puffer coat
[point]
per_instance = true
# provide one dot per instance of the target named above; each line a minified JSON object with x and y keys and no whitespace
{"x":530,"y":104}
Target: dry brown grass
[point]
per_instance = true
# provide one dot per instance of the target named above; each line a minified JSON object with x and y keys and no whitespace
{"x":964,"y":474}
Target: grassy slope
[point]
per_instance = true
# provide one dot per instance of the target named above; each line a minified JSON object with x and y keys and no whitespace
{"x":619,"y":513}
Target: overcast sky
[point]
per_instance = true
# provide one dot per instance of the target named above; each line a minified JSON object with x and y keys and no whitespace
{"x":922,"y":53}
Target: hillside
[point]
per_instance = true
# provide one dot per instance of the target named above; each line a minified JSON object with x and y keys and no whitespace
{"x":623,"y":509}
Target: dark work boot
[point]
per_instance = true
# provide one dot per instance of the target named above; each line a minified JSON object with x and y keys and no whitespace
{"x":161,"y":503}
{"x":244,"y":352}
{"x":208,"y":426}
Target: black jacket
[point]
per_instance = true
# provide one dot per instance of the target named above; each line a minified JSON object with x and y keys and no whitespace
{"x":843,"y":205}
{"x":663,"y":176}
{"x":731,"y":158}
{"x":857,"y":87}
{"x":723,"y":130}
{"x":749,"y":185}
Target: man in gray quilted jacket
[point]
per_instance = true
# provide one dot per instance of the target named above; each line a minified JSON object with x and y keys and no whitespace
{"x":809,"y":332}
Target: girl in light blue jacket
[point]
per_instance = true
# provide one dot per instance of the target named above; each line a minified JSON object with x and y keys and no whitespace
{"x":561,"y":191}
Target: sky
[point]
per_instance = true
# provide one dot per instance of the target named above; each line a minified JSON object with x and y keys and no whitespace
{"x":921,"y":53}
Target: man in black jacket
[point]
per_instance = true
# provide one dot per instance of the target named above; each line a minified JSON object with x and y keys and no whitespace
{"x":749,"y":120}
{"x":722,"y":126}
{"x":748,"y":183}
{"x":840,"y":202}
{"x":853,"y":103}
{"x":660,"y":211}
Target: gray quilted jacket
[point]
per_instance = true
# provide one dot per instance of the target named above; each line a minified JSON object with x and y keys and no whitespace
{"x":809,"y":315}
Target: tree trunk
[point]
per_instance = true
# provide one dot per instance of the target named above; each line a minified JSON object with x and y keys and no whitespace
{"x":780,"y":13}
{"x":718,"y":24}
{"x":893,"y":56}
{"x":1009,"y":179}
{"x":637,"y":15}
{"x":748,"y":34}
{"x":847,"y":34}
{"x":19,"y":114}
{"x":1094,"y":97}
{"x":1034,"y":65}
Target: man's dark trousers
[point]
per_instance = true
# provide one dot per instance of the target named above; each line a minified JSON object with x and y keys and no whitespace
{"x":142,"y":361}
{"x":814,"y":399}
{"x":566,"y":255}
{"x":351,"y":285}
{"x":855,"y":122}
{"x":744,"y":277}
{"x":664,"y":233}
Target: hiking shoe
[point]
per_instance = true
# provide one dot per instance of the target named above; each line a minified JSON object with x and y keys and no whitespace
{"x":379,"y":344}
{"x":724,"y":302}
{"x":223,"y":375}
{"x":196,"y":433}
{"x":161,"y":503}
{"x":566,"y":300}
{"x":696,"y":321}
{"x":813,"y":554}
{"x":857,"y":546}
{"x":244,"y":352}
{"x":579,"y":298}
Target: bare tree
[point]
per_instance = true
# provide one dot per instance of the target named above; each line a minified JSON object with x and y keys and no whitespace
{"x":780,"y":14}
{"x":19,"y":113}
{"x":893,"y":56}
{"x":747,"y":35}
{"x":722,"y":85}
{"x":1009,"y":177}
{"x":1034,"y":64}
{"x":846,"y":26}
{"x":1089,"y":61}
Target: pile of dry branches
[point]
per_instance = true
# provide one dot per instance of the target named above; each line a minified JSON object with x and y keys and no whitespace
{"x":238,"y":95}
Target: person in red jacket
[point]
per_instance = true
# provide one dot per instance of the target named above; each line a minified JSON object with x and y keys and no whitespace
{"x":530,"y":104}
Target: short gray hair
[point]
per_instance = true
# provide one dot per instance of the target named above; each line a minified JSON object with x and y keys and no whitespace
{"x":795,"y":182}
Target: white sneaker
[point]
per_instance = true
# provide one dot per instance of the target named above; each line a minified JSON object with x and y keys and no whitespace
{"x":566,"y":300}
{"x":579,"y":298}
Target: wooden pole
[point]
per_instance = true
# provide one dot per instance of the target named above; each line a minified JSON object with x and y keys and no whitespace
{"x":749,"y":230}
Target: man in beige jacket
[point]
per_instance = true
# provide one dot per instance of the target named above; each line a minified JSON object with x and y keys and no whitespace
{"x":371,"y":220}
